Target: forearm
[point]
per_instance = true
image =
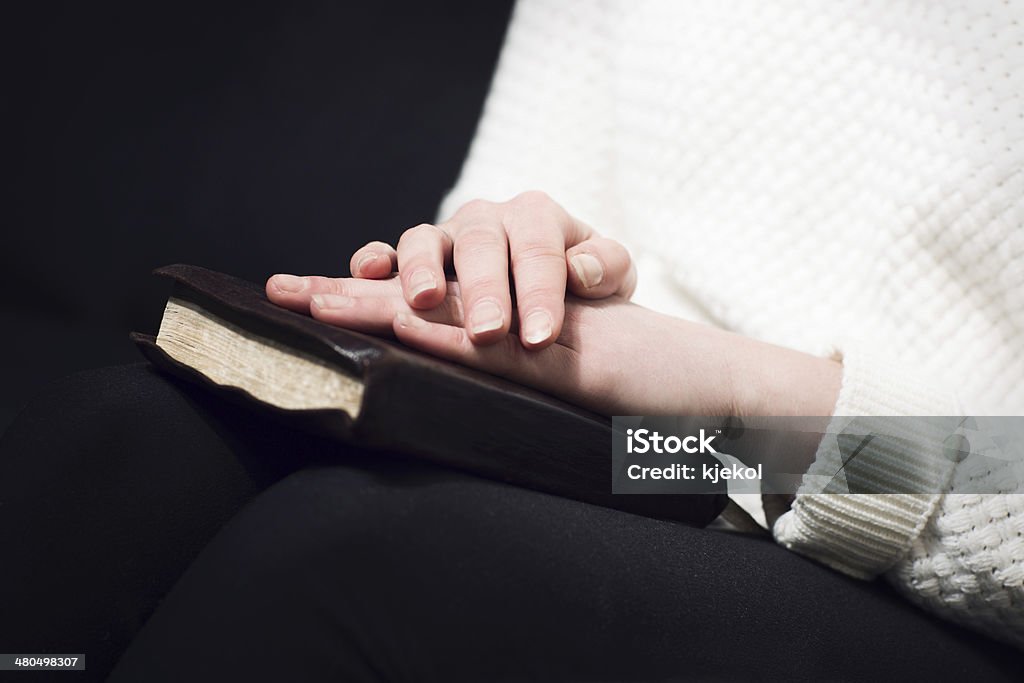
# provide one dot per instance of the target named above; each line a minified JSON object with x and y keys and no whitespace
{"x":742,"y":376}
{"x":773,"y":380}
{"x":656,"y":364}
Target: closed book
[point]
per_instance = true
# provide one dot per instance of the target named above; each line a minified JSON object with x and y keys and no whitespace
{"x":224,"y":334}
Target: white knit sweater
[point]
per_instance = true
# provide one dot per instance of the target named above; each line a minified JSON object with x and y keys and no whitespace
{"x":835,"y":177}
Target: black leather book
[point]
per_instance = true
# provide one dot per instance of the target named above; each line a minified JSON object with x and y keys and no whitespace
{"x":223,"y":333}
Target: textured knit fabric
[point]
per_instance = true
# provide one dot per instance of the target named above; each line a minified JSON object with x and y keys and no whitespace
{"x":839,"y":178}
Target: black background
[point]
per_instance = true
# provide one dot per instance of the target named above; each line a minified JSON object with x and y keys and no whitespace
{"x":249,"y":138}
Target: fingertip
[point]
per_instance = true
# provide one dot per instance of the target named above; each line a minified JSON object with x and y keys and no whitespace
{"x":537,"y":329}
{"x":372,"y":266}
{"x":373,"y":261}
{"x":284,"y":284}
{"x":362,"y":263}
{"x":423,"y":289}
{"x":401,"y":322}
{"x":587,"y":273}
{"x":486,"y":323}
{"x":443,"y":341}
{"x":289,"y":291}
{"x":486,"y":338}
{"x":406,"y":322}
{"x":271,"y":288}
{"x":317,"y":308}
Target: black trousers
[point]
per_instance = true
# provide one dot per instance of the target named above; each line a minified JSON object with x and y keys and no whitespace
{"x":153,"y":527}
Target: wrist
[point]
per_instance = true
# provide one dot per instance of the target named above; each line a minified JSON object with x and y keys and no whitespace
{"x":773,"y":380}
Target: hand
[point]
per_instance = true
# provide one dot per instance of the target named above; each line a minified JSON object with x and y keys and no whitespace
{"x":549,"y":251}
{"x":613,"y":357}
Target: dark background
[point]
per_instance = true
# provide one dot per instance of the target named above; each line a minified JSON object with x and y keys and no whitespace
{"x":250,"y":138}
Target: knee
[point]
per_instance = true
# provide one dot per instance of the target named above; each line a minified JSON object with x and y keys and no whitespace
{"x":86,"y":398}
{"x":127,"y":430}
{"x":344,"y":526}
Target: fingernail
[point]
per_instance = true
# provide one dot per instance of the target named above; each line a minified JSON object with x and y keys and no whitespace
{"x":588,"y":269}
{"x":365,"y":261}
{"x":486,"y":316}
{"x":289,"y":283}
{"x":408,"y":320}
{"x":328,"y":301}
{"x":422,"y":281}
{"x":537,"y":327}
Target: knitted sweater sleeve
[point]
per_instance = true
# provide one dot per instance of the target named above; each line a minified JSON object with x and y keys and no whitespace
{"x":959,"y":555}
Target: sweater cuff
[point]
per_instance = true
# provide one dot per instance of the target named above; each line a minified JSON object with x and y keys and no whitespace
{"x":840,"y":517}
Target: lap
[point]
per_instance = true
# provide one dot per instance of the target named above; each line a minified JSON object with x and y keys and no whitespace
{"x":385,"y":569}
{"x":114,"y":482}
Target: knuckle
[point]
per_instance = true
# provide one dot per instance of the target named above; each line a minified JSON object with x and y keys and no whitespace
{"x":441,"y":231}
{"x":415,"y":233}
{"x":474,"y":207}
{"x":479,"y":238}
{"x":613,"y":246}
{"x":550,"y":292}
{"x":533,"y":213}
{"x":537,"y":252}
{"x":377,"y":245}
{"x":533,"y":198}
{"x":482,"y":286}
{"x":422,"y":227}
